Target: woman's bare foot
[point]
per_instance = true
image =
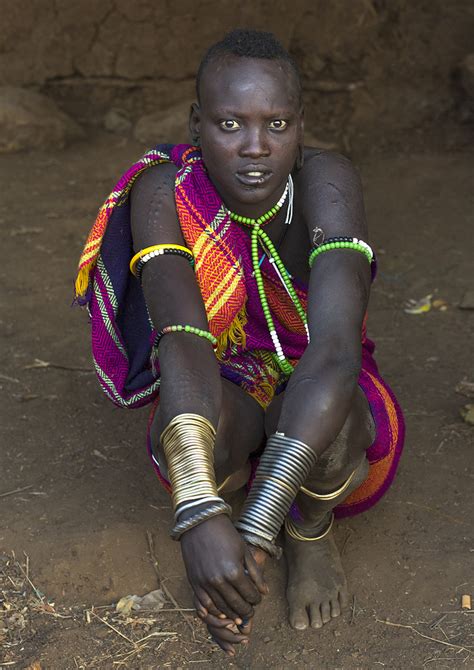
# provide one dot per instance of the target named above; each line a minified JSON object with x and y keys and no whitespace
{"x":317,"y":587}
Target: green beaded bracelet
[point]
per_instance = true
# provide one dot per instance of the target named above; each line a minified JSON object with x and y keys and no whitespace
{"x":342,"y":243}
{"x":185,"y":329}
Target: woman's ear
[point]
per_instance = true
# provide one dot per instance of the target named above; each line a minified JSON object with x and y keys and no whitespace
{"x":195,"y":123}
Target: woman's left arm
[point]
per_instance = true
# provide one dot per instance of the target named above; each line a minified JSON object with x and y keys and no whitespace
{"x":321,"y":389}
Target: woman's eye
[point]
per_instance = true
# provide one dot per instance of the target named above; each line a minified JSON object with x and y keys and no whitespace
{"x":229,"y":124}
{"x":278,"y":124}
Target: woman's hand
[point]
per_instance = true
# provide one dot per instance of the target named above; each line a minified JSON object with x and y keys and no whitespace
{"x":259,"y":557}
{"x":225,"y":632}
{"x":221,"y":570}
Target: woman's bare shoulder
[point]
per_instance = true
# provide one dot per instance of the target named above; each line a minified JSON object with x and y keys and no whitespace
{"x":153,"y":208}
{"x":323,"y":168}
{"x":323,"y":159}
{"x":161,"y":176}
{"x":330,"y":191}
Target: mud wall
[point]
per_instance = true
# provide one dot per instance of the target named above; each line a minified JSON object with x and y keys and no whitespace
{"x":369,"y":66}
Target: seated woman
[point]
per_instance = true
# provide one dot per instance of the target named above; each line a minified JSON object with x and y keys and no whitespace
{"x":244,"y":312}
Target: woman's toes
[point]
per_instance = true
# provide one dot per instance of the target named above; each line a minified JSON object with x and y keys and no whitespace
{"x":326,"y":611}
{"x":335,"y":608}
{"x":343,"y":599}
{"x":315,"y":576}
{"x":315,"y":613}
{"x":299,"y":618}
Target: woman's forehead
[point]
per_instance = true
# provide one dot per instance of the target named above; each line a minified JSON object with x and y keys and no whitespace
{"x":229,"y":81}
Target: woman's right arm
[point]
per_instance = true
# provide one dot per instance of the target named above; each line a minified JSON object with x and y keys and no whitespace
{"x":214,"y":555}
{"x":190,"y":379}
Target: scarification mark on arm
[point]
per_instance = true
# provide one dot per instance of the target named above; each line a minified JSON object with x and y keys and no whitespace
{"x":342,"y":200}
{"x":336,"y":188}
{"x":157,"y":199}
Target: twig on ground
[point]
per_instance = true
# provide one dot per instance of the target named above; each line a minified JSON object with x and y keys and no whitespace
{"x":353,"y":609}
{"x":169,"y":595}
{"x":439,"y":619}
{"x":154,"y":561}
{"x":442,"y":630}
{"x":346,"y":540}
{"x":136,"y":651}
{"x":439,"y":659}
{"x":43,"y":609}
{"x":10,"y":493}
{"x":161,"y":633}
{"x":427,"y":637}
{"x":113,"y":628}
{"x":10,"y":580}
{"x":440,"y":446}
{"x":38,"y":594}
{"x":38,"y":363}
{"x":14,"y":381}
{"x":129,"y":654}
{"x":172,"y":609}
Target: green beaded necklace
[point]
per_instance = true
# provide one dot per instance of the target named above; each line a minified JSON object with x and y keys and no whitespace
{"x":259,"y":235}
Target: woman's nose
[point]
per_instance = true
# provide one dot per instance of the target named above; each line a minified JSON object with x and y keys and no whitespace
{"x":255,"y":144}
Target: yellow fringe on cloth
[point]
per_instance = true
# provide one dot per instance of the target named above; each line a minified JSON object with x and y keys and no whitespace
{"x":82,"y":281}
{"x":234,"y":334}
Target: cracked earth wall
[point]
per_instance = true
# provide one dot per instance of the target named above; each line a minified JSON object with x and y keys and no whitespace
{"x":366,"y":64}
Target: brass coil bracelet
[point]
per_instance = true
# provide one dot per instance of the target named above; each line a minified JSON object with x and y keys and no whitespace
{"x":188,"y":442}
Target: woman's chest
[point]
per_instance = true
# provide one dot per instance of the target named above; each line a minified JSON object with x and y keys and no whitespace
{"x":292,"y":243}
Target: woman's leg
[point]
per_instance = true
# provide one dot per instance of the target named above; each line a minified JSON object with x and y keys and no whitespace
{"x":240,"y":431}
{"x":317,"y":589}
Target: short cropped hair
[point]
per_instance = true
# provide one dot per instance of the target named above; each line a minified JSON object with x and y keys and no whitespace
{"x":248,"y":44}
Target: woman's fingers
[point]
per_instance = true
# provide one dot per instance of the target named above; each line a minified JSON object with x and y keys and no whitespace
{"x":230,"y":603}
{"x":227,"y":635}
{"x":225,"y":646}
{"x":211,"y":620}
{"x":199,"y":607}
{"x":203,"y":601}
{"x":246,"y":627}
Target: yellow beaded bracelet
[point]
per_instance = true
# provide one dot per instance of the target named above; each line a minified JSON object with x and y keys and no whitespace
{"x":159,"y":250}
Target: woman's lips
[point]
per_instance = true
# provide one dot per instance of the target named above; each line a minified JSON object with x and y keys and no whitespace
{"x":253,"y":177}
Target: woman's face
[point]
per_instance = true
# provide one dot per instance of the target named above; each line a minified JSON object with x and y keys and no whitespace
{"x":250,"y":123}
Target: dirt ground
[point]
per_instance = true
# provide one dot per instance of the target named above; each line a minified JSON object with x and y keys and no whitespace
{"x":78,"y":495}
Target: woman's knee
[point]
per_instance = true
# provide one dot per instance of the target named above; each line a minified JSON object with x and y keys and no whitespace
{"x":240,"y":430}
{"x":347,"y":451}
